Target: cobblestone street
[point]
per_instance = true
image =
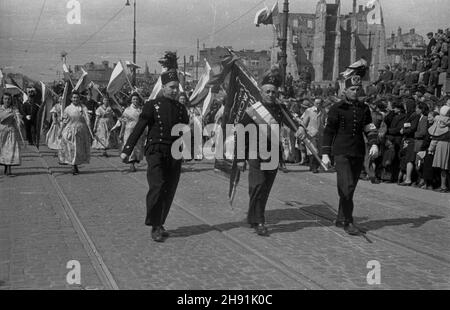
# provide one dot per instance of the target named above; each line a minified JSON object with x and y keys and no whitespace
{"x":49,"y":217}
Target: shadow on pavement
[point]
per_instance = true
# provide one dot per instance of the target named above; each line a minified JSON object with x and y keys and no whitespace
{"x":415,"y":222}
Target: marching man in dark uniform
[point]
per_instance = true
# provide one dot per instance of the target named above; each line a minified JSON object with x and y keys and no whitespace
{"x":163,"y":171}
{"x":29,"y":111}
{"x":343,"y":137}
{"x":261,"y":181}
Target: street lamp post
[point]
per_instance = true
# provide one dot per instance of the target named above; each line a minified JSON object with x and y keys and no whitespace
{"x":284,"y":40}
{"x":133,"y":80}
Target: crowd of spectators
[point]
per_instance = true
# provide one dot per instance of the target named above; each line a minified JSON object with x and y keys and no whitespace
{"x":410,"y":106}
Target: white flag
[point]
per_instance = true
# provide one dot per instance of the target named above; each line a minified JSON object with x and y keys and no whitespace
{"x":82,"y":83}
{"x":207,"y":103}
{"x":374,"y":17}
{"x":118,"y":79}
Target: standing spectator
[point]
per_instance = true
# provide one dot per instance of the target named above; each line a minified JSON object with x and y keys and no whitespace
{"x":431,"y":44}
{"x":420,"y":135}
{"x":330,"y":91}
{"x":314,"y":121}
{"x":408,"y":131}
{"x":440,"y":145}
{"x":434,"y":73}
{"x":395,"y":121}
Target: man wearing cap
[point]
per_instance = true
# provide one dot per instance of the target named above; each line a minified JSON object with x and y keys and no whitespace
{"x":163,"y":171}
{"x":343,"y":137}
{"x":261,"y":181}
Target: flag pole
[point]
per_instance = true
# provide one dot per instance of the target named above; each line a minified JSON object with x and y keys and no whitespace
{"x":133,"y":88}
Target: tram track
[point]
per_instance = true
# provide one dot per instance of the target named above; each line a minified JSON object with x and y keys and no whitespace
{"x":310,"y":282}
{"x":288,"y":271}
{"x":102,"y":270}
{"x":375,"y":236}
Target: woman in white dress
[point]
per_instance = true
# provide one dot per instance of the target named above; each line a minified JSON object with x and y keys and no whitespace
{"x":74,"y":134}
{"x":127,"y":123}
{"x":9,"y":134}
{"x":52,"y":139}
{"x":104,"y":122}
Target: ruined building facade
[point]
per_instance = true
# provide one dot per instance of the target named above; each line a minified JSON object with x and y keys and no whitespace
{"x":326,"y":42}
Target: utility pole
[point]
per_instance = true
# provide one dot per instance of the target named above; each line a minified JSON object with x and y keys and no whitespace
{"x":133,"y":79}
{"x":198,"y":59}
{"x":184,"y":75}
{"x":284,"y":40}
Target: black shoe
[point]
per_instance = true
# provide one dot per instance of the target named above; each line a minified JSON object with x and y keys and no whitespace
{"x":157,"y":234}
{"x":75,"y":170}
{"x":374,"y":181}
{"x":315,"y":171}
{"x":339,"y":224}
{"x":164,"y":232}
{"x":262,"y":230}
{"x":352,"y":230}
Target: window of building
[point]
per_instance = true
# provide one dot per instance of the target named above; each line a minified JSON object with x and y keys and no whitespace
{"x":295,"y":23}
{"x":310,"y":24}
{"x":309,"y":56}
{"x":255,"y":62}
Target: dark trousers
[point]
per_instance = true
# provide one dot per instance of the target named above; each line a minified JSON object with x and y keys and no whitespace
{"x":348,"y":170}
{"x":30,"y":131}
{"x":259,"y":185}
{"x":163,"y":174}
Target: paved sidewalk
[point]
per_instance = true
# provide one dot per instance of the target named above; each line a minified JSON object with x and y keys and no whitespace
{"x":36,"y":237}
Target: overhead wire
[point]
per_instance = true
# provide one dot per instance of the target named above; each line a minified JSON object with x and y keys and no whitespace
{"x":36,"y":26}
{"x":96,"y":32}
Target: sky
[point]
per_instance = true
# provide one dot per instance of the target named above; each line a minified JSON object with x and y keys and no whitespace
{"x":33,"y":33}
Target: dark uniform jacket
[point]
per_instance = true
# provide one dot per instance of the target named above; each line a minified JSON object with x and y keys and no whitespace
{"x":343,"y":134}
{"x":30,"y":107}
{"x":159,"y":115}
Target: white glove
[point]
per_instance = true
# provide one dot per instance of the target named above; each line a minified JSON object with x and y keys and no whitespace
{"x":301,"y":133}
{"x":373,"y":151}
{"x":326,"y":160}
{"x":28,"y":117}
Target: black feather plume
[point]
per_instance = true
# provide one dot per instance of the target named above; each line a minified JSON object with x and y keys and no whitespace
{"x":169,"y":61}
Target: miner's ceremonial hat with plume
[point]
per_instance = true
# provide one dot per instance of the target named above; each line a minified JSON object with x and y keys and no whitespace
{"x":170,"y":63}
{"x":355,"y":73}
